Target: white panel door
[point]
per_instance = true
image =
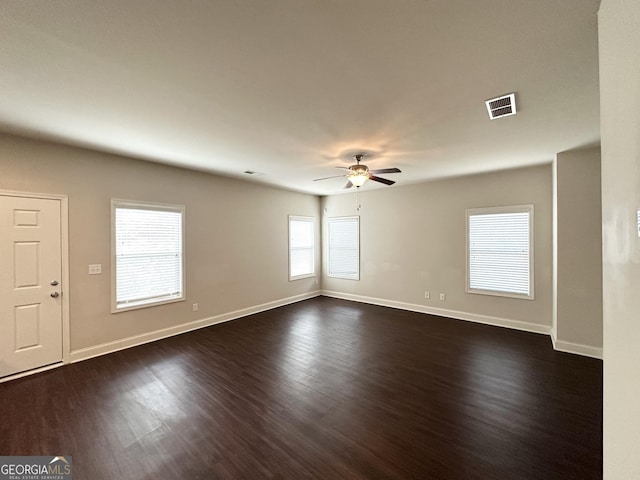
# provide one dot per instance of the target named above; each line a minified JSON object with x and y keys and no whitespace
{"x":30,"y":290}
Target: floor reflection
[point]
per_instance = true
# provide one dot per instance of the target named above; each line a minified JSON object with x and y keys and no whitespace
{"x":315,"y":362}
{"x":497,"y":400}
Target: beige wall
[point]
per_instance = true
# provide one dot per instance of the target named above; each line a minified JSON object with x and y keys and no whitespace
{"x":236,"y":234}
{"x":413,"y":239}
{"x":619,"y":32}
{"x":578,"y":250}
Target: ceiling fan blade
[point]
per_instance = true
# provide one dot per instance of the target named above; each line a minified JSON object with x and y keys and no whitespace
{"x":381,"y":180}
{"x":349,"y":184}
{"x":386,"y":170}
{"x":327,"y":178}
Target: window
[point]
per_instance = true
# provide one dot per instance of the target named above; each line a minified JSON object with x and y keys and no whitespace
{"x":344,"y":247}
{"x":500,"y":251}
{"x":301,"y":247}
{"x":148,"y":254}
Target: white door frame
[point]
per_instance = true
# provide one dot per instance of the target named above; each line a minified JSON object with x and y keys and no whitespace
{"x":64,"y":237}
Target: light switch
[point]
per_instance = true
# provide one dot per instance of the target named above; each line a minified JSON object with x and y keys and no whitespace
{"x":95,"y":269}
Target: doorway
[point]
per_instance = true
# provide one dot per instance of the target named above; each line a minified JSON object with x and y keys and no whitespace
{"x":33,"y":277}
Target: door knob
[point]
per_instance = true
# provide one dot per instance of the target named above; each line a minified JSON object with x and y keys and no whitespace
{"x":55,"y":294}
{"x":54,"y":283}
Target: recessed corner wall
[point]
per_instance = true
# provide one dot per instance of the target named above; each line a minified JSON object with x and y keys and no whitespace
{"x":578,"y":252}
{"x":413,"y":240}
{"x":236,"y":239}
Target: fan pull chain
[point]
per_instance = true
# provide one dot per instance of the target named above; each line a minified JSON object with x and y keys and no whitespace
{"x":358,"y":199}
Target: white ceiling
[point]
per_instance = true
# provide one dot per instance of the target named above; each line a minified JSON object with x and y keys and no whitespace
{"x":293,"y":88}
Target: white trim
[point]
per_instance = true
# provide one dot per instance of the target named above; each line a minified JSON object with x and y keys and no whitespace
{"x":576,"y":348}
{"x":301,"y":218}
{"x":64,"y":287}
{"x":164,"y":207}
{"x":559,"y":345}
{"x":442,"y":312}
{"x":47,"y":196}
{"x":530,"y":210}
{"x":66,"y":323}
{"x":110,"y":347}
{"x":554,"y":249}
{"x":31,"y":372}
{"x":334,"y":220}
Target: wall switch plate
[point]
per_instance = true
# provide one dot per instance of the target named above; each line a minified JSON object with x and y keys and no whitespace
{"x":95,"y":269}
{"x":427,"y":295}
{"x":442,"y":296}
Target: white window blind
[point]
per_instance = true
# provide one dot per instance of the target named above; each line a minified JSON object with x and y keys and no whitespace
{"x":148,"y":250}
{"x":301,"y":247}
{"x":344,"y":247}
{"x":500,"y":256}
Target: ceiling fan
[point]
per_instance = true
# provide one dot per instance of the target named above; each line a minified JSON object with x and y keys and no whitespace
{"x":359,"y":173}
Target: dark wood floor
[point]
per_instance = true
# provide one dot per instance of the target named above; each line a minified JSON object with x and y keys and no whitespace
{"x":323,"y":389}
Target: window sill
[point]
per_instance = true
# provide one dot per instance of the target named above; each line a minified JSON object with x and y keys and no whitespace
{"x":300,"y":277}
{"x":495,"y":293}
{"x":146,"y":303}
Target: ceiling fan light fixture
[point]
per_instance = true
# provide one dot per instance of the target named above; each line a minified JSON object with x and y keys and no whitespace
{"x":358,"y":179}
{"x":358,"y":174}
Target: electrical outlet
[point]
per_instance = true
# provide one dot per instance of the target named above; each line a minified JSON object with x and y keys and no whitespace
{"x":95,"y":269}
{"x":442,"y":296}
{"x":195,"y":307}
{"x":427,"y":295}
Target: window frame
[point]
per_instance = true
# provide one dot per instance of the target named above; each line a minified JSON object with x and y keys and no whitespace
{"x":141,"y":205}
{"x":312,"y":221}
{"x":529,"y":209}
{"x":331,"y":220}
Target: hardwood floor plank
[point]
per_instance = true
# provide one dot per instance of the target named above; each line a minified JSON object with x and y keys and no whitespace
{"x":323,"y":388}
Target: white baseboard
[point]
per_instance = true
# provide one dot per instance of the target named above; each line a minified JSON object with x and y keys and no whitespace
{"x":554,"y":337}
{"x":559,"y":345}
{"x":576,"y":348}
{"x":110,"y":347}
{"x":443,"y":312}
{"x":31,"y":372}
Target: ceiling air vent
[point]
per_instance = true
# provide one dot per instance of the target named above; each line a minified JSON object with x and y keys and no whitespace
{"x":501,"y":106}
